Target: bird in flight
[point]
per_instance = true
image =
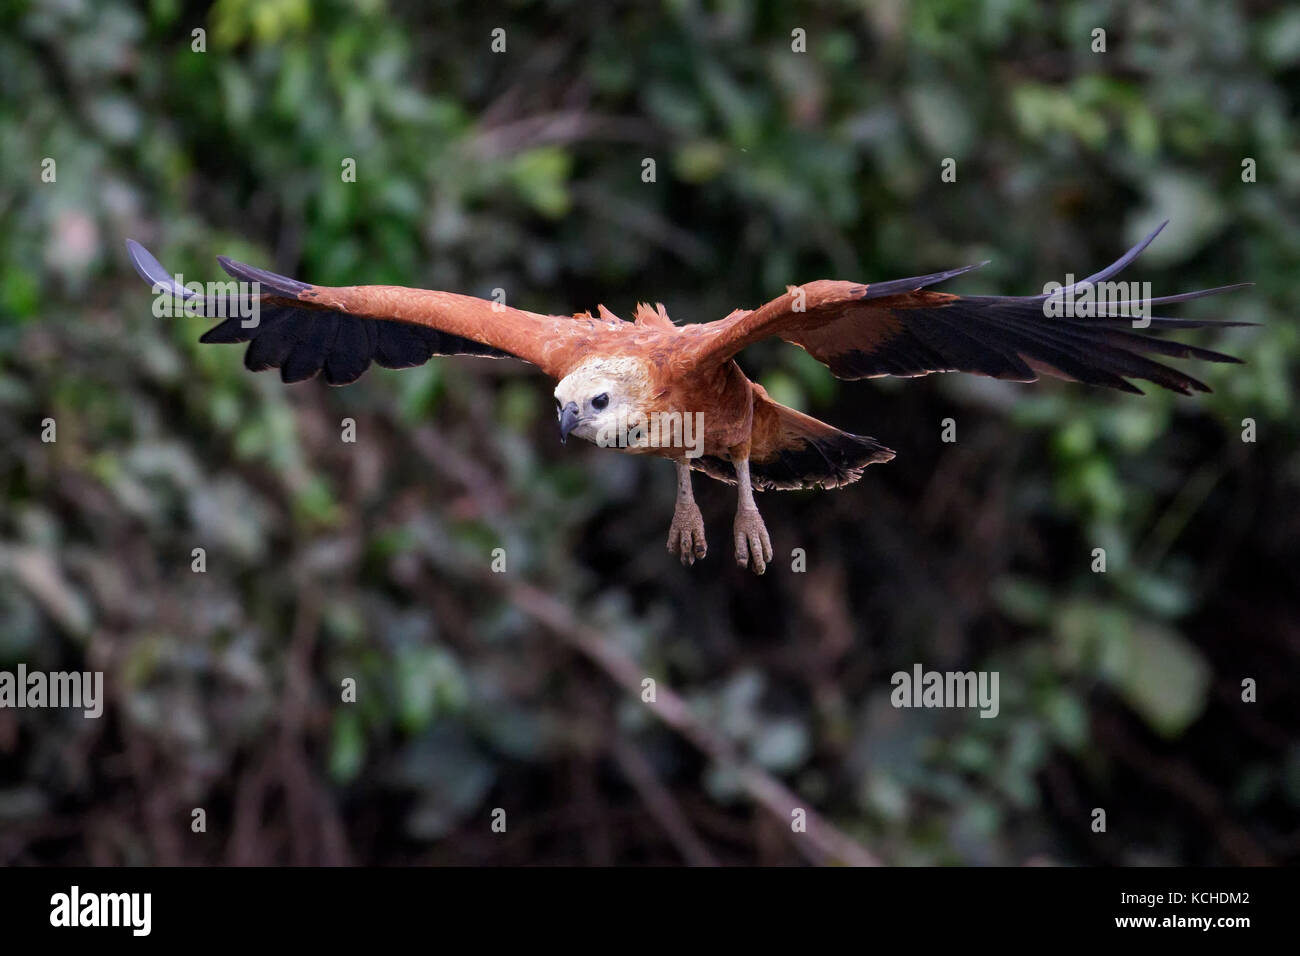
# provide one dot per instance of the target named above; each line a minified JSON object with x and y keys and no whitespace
{"x":650,"y":386}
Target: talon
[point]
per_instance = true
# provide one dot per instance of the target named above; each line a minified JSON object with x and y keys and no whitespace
{"x":753,"y":545}
{"x":686,"y":536}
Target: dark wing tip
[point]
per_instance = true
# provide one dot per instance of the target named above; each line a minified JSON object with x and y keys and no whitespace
{"x":276,"y":283}
{"x":876,"y":290}
{"x":1183,"y":297}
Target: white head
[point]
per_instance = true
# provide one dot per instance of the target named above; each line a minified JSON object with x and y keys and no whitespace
{"x":599,"y":394}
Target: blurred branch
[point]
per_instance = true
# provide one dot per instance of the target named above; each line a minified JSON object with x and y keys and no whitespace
{"x":645,"y":222}
{"x":1181,"y":510}
{"x":1180,"y":779}
{"x":558,"y":128}
{"x":822,"y":843}
{"x":640,"y":774}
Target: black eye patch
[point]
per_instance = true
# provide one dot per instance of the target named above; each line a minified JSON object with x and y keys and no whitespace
{"x":600,"y":401}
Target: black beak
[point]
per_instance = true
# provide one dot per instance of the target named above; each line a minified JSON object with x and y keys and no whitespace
{"x":568,"y":421}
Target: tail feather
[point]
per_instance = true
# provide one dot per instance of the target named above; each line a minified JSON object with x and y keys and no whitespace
{"x":790,"y":450}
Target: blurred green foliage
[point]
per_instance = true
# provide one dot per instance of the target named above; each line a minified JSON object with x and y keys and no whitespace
{"x":522,"y":171}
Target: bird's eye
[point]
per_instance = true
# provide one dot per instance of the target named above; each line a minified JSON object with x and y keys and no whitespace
{"x":600,"y":401}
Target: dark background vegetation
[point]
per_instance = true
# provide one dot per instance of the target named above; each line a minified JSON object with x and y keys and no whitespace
{"x":522,"y":171}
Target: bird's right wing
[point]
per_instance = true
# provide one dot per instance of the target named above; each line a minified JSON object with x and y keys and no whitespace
{"x":900,"y":327}
{"x":304,"y":329}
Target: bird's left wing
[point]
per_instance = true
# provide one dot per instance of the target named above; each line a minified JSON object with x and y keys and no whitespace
{"x":861,"y":330}
{"x":304,"y":329}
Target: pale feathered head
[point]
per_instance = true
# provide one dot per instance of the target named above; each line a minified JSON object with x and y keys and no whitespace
{"x":599,"y":394}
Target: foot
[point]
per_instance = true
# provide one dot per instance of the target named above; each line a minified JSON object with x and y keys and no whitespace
{"x":686,"y":536}
{"x":753,"y":546}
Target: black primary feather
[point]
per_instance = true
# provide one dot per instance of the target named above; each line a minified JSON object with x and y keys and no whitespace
{"x":1000,"y":336}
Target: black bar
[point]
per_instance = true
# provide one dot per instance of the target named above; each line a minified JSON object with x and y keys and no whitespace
{"x":233,"y":906}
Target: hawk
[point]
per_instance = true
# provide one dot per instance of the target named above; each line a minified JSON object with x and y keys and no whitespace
{"x":650,"y":386}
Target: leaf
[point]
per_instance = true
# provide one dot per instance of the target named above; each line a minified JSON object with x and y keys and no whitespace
{"x":347,"y":746}
{"x":1163,"y":677}
{"x":540,"y":176}
{"x":781,"y":745}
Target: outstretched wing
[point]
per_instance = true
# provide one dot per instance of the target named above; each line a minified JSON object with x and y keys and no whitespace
{"x":861,"y":330}
{"x":304,"y":329}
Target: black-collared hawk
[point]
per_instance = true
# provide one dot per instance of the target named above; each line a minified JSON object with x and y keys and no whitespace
{"x":652,"y":387}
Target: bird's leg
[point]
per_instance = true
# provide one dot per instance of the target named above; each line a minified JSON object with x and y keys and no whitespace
{"x":753,"y":546}
{"x":686,"y":536}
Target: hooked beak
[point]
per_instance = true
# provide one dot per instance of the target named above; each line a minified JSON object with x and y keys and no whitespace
{"x":568,"y":421}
